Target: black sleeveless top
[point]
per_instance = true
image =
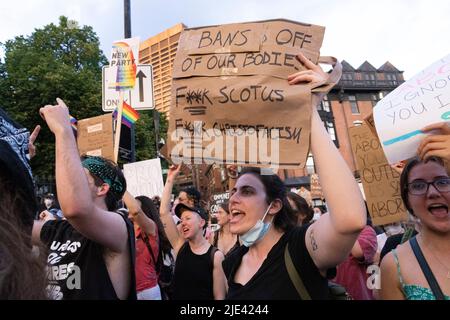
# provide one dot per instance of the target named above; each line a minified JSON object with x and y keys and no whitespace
{"x":234,"y":247}
{"x":193,"y":277}
{"x":76,"y":268}
{"x":272,"y":281}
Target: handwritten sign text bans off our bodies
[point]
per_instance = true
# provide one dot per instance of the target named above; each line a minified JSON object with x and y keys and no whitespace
{"x":231,"y":102}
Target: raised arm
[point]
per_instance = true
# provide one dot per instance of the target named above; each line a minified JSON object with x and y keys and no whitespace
{"x":331,"y":238}
{"x":146,"y":224}
{"x":164,"y":210}
{"x":75,"y":193}
{"x":219,"y":279}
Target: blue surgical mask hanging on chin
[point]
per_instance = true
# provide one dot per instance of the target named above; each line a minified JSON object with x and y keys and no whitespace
{"x":257,"y":231}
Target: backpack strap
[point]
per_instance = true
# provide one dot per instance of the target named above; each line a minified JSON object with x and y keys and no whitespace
{"x":149,"y":248}
{"x":294,"y":276}
{"x":213,"y":252}
{"x":434,"y":286}
{"x":132,"y":247}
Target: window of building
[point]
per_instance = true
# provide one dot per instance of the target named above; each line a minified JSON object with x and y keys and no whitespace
{"x":310,"y":168}
{"x":223,"y":175}
{"x":175,"y":38}
{"x":357,"y":123}
{"x":353,"y":104}
{"x":374,"y":99}
{"x":324,"y":105}
{"x":347,"y":76}
{"x":331,"y":131}
{"x":370,"y":78}
{"x":391,"y":78}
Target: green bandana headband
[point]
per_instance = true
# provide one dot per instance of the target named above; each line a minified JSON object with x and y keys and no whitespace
{"x":98,"y":167}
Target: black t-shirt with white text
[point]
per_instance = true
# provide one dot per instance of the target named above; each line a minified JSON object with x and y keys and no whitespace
{"x":76,"y":267}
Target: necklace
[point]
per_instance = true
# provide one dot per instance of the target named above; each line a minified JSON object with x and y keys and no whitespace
{"x":440,"y":262}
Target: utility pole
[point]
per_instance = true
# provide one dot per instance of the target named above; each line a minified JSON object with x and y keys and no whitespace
{"x":127,"y":34}
{"x":127,"y":18}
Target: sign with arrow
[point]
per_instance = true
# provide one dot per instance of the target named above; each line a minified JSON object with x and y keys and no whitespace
{"x":140,"y":97}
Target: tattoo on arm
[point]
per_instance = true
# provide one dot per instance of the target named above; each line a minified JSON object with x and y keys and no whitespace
{"x":313,"y":241}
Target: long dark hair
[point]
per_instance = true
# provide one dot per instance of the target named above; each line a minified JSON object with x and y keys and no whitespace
{"x":149,"y":208}
{"x":225,"y":206}
{"x":302,"y":206}
{"x":285,"y":219}
{"x":405,"y":175}
{"x":22,"y":272}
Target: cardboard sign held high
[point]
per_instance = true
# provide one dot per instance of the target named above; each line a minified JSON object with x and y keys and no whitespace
{"x":380,"y":182}
{"x":231,"y":101}
{"x":418,"y":102}
{"x":95,"y":136}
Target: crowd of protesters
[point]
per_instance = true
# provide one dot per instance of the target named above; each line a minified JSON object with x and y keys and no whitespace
{"x":83,"y":245}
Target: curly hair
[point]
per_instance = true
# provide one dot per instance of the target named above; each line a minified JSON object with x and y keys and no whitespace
{"x":302,"y":207}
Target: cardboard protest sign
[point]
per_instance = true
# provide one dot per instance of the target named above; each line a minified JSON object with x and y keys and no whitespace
{"x":95,"y":136}
{"x":423,"y":100}
{"x":216,"y":200}
{"x":370,"y":122}
{"x":316,"y":188}
{"x":305,"y":194}
{"x":144,"y":178}
{"x":231,"y":102}
{"x":380,"y":182}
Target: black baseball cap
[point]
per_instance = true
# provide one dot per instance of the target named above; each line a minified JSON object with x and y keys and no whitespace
{"x":181,"y":207}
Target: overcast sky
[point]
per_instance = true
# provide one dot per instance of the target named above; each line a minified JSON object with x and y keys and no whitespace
{"x":411,"y":34}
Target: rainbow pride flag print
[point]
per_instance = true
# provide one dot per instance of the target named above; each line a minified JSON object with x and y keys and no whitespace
{"x":73,"y":122}
{"x":124,"y":62}
{"x":129,"y":115}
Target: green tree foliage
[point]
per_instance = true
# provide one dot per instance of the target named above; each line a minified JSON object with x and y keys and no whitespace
{"x":145,"y":134}
{"x":55,"y":61}
{"x":63,"y":61}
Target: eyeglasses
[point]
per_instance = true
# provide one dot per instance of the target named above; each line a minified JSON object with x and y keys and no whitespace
{"x":421,"y":187}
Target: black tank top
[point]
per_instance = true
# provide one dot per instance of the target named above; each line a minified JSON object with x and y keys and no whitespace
{"x":77,"y":269}
{"x":193,"y":278}
{"x":216,"y":244}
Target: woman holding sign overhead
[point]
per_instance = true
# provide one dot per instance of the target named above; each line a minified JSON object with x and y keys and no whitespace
{"x":274,"y":249}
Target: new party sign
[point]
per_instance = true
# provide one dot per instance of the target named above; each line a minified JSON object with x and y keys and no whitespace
{"x":124,"y":57}
{"x":421,"y":101}
{"x":121,"y":76}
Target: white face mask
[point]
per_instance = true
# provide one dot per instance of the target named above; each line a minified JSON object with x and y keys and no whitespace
{"x":258,"y":231}
{"x":393,"y":229}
